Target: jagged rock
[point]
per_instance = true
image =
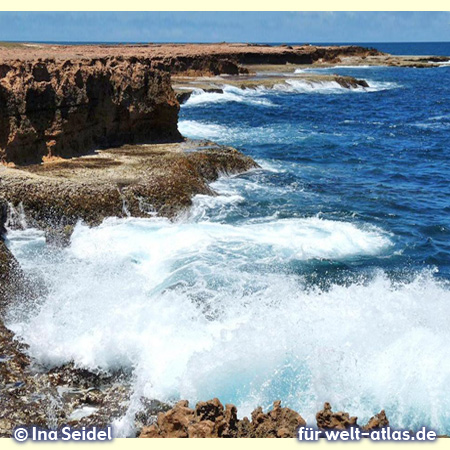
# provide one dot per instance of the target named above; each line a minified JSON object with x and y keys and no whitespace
{"x":211,"y":419}
{"x":327,"y":419}
{"x":3,"y":218}
{"x":378,"y":421}
{"x":278,"y":423}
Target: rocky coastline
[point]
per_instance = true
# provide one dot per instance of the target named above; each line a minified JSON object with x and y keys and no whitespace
{"x":89,"y":132}
{"x":211,"y":420}
{"x":133,"y":180}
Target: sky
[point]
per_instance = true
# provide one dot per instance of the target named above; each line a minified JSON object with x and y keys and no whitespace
{"x":280,"y":27}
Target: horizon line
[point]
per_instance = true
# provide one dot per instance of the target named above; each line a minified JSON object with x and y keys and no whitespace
{"x":220,"y":42}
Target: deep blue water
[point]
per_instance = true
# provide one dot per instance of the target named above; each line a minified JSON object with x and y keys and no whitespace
{"x":379,"y":158}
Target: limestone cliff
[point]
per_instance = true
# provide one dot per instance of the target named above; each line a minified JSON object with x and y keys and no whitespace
{"x":66,"y":108}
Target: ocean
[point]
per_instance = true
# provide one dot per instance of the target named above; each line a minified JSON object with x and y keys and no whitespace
{"x":324,"y":275}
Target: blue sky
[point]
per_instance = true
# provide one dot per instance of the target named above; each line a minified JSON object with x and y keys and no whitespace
{"x":225,"y":26}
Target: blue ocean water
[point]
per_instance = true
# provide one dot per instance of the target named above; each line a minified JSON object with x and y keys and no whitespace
{"x":379,"y":158}
{"x":324,"y":275}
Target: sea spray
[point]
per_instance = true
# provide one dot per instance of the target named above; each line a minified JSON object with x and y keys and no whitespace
{"x":192,"y":324}
{"x":257,"y":96}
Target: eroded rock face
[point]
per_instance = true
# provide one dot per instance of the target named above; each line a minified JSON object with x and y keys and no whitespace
{"x":278,"y":423}
{"x":378,"y":421}
{"x":67,"y":108}
{"x":211,"y":420}
{"x":327,"y":419}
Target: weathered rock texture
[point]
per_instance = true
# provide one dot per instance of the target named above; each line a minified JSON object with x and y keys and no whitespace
{"x":194,"y":59}
{"x":132,"y":180}
{"x":327,"y":419}
{"x":211,"y":420}
{"x":378,"y":421}
{"x":66,"y":108}
{"x":11,"y":277}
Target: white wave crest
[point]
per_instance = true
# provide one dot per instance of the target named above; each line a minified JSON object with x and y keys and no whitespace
{"x":230,"y":94}
{"x":183,"y":306}
{"x":268,"y":134}
{"x":256,"y":96}
{"x":201,"y":130}
{"x":329,"y":87}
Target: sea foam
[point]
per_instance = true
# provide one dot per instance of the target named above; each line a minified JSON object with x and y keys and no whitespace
{"x":258,"y":95}
{"x":200,"y":309}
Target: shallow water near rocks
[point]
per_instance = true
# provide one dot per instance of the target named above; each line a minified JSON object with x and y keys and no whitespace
{"x":322,"y":276}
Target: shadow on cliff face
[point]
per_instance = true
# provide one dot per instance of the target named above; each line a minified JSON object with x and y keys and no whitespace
{"x":67,"y":109}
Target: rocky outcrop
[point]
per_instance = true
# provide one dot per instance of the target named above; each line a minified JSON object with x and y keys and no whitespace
{"x":378,"y":421}
{"x":67,"y":108}
{"x":327,"y":419}
{"x":194,"y":59}
{"x":278,"y":423}
{"x":350,"y":82}
{"x":211,"y":420}
{"x":10,"y":275}
{"x":140,"y":181}
{"x":233,"y":59}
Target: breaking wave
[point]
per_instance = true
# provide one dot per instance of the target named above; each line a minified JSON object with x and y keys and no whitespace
{"x":230,"y":94}
{"x":258,"y":96}
{"x":199,"y":309}
{"x":329,"y":87}
{"x":267,"y":134}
